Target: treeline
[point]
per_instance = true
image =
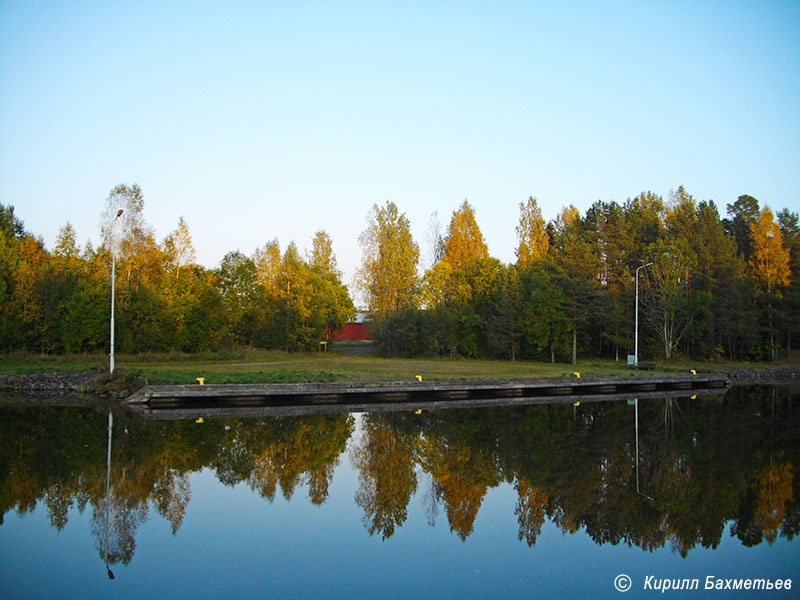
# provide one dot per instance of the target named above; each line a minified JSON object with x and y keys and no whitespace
{"x":708,"y":287}
{"x":59,"y":301}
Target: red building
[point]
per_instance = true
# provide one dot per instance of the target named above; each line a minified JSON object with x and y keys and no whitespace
{"x":355,"y":331}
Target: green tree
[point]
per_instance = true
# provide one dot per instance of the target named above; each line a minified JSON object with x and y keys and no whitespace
{"x":10,"y":325}
{"x":243,"y":301}
{"x":294,"y":309}
{"x":545,"y":321}
{"x":608,"y":231}
{"x":388,"y":273}
{"x":66,"y":243}
{"x":718,"y":268}
{"x":669,"y":304}
{"x":790,"y":302}
{"x":10,"y":225}
{"x":503,"y":313}
{"x":576,"y":257}
{"x":742,"y":214}
{"x":644,"y":223}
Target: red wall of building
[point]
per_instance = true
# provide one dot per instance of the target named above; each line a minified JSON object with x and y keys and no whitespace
{"x":353,"y":332}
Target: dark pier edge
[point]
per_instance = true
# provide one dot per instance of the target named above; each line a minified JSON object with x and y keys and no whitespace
{"x":193,"y":401}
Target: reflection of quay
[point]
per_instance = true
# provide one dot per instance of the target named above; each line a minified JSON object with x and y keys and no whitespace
{"x":258,"y":400}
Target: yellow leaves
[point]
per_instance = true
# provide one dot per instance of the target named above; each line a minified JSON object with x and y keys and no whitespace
{"x":322,"y":256}
{"x":769,"y":262}
{"x":464,"y":240}
{"x":268,"y":266}
{"x":774,"y":489}
{"x":434,"y":285}
{"x":532,"y":233}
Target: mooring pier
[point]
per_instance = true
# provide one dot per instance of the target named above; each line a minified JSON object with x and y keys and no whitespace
{"x":184,"y":401}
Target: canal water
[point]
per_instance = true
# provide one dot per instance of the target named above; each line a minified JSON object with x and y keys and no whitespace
{"x":547,"y":501}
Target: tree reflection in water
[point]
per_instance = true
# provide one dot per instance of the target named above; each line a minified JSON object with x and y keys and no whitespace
{"x":387,"y":481}
{"x":702,"y":464}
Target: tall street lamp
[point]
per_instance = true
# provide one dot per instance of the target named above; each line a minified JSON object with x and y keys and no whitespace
{"x":636,"y":333}
{"x":113,"y":279}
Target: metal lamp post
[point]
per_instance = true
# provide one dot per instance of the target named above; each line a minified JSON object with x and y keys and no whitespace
{"x":113,"y":280}
{"x":636,"y":333}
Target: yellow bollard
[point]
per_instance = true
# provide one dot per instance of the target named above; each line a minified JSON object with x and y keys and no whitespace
{"x":578,"y":403}
{"x":419,"y":378}
{"x":418,"y":412}
{"x":200,"y":420}
{"x":694,"y":397}
{"x":201,"y":380}
{"x":578,"y":375}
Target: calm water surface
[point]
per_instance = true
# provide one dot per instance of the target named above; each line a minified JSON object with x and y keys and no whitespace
{"x":532,"y":501}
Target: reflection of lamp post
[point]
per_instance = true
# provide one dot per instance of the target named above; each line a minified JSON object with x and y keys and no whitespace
{"x":636,"y":413}
{"x":636,"y":409}
{"x":636,"y":333}
{"x":113,"y":278}
{"x":108,"y":488}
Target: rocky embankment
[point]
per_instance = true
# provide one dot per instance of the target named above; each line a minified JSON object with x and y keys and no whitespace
{"x":762,"y":375}
{"x":69,"y":383}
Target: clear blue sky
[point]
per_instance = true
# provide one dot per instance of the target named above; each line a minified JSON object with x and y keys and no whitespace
{"x":257,"y":120}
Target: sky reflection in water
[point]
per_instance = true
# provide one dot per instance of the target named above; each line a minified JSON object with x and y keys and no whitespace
{"x":478,"y":503}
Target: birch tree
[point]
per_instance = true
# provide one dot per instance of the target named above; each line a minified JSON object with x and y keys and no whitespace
{"x":532,"y":238}
{"x":179,"y":248}
{"x":388,"y":273}
{"x":668,"y":300}
{"x":768,"y":265}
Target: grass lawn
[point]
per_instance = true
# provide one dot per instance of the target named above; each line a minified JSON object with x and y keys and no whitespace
{"x":344,"y":362}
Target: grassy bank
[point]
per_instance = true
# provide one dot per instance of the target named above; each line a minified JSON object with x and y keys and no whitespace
{"x":352,"y":362}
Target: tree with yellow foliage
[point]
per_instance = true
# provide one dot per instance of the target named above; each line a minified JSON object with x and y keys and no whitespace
{"x":769,"y":261}
{"x":769,"y":264}
{"x":322,"y":256}
{"x":464,"y":241}
{"x":267,"y":261}
{"x":531,"y":233}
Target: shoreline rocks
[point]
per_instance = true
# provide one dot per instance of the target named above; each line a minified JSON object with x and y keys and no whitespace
{"x":762,"y":375}
{"x":70,"y":383}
